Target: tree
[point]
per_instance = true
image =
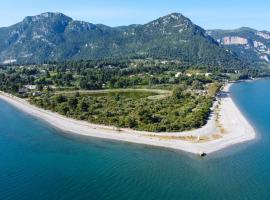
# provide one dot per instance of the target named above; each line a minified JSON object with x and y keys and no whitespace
{"x":72,"y":102}
{"x":63,"y":108}
{"x":178,"y":93}
{"x":82,"y":105}
{"x":60,"y":98}
{"x":131,"y":122}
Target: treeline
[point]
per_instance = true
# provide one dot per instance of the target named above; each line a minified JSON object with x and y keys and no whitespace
{"x":116,"y":73}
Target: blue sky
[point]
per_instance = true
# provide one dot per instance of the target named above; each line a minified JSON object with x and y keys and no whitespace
{"x":206,"y":13}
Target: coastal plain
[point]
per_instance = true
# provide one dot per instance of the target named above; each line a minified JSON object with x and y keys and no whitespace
{"x":226,"y":126}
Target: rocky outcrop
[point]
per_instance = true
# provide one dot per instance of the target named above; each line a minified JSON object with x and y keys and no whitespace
{"x":234,"y":41}
{"x":264,"y":35}
{"x":247,"y":43}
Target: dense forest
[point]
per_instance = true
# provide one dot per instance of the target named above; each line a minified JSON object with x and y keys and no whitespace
{"x":111,"y":73}
{"x":181,"y":111}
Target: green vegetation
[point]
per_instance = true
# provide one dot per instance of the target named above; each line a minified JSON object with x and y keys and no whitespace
{"x":170,"y":53}
{"x":103,"y":91}
{"x":181,"y":111}
{"x":170,"y":37}
{"x":213,"y":89}
{"x":112,"y":74}
{"x":256,"y":48}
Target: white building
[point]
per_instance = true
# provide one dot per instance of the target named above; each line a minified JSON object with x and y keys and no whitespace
{"x":178,"y":74}
{"x":31,"y":87}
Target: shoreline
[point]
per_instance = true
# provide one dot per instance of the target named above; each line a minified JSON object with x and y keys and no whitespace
{"x":229,"y":124}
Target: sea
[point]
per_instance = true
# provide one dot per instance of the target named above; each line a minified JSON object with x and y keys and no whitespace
{"x":39,"y":162}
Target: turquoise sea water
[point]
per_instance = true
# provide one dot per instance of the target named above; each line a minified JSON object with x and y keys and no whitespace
{"x":38,"y":162}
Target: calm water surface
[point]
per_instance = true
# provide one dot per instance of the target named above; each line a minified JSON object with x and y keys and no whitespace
{"x":38,"y":162}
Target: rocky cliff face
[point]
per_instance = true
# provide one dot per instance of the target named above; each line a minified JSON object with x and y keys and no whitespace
{"x":233,"y":40}
{"x":249,"y":44}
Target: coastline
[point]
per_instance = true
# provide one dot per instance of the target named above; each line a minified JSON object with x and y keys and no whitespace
{"x":229,"y":123}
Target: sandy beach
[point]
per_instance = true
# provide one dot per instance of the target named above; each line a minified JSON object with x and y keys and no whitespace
{"x":226,"y":126}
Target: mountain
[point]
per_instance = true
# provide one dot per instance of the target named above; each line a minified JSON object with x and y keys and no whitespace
{"x":57,"y":37}
{"x":249,"y":44}
{"x":49,"y":36}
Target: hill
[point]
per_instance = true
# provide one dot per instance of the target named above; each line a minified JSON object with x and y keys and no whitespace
{"x":57,"y":37}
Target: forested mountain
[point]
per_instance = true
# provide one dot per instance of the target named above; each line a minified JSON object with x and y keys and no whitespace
{"x":249,"y":44}
{"x":56,"y":37}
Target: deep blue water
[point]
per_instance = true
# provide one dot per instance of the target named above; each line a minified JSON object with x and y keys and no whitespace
{"x":38,"y":162}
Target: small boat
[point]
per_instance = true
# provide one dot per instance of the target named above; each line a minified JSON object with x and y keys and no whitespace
{"x":202,"y":154}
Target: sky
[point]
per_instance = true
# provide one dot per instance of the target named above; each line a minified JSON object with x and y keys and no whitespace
{"x":210,"y":14}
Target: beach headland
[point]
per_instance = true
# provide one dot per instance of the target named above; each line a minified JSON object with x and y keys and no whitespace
{"x":226,"y":126}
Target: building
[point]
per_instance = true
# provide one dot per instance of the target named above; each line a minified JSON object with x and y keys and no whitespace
{"x":30,"y":87}
{"x":207,"y":74}
{"x":178,"y":74}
